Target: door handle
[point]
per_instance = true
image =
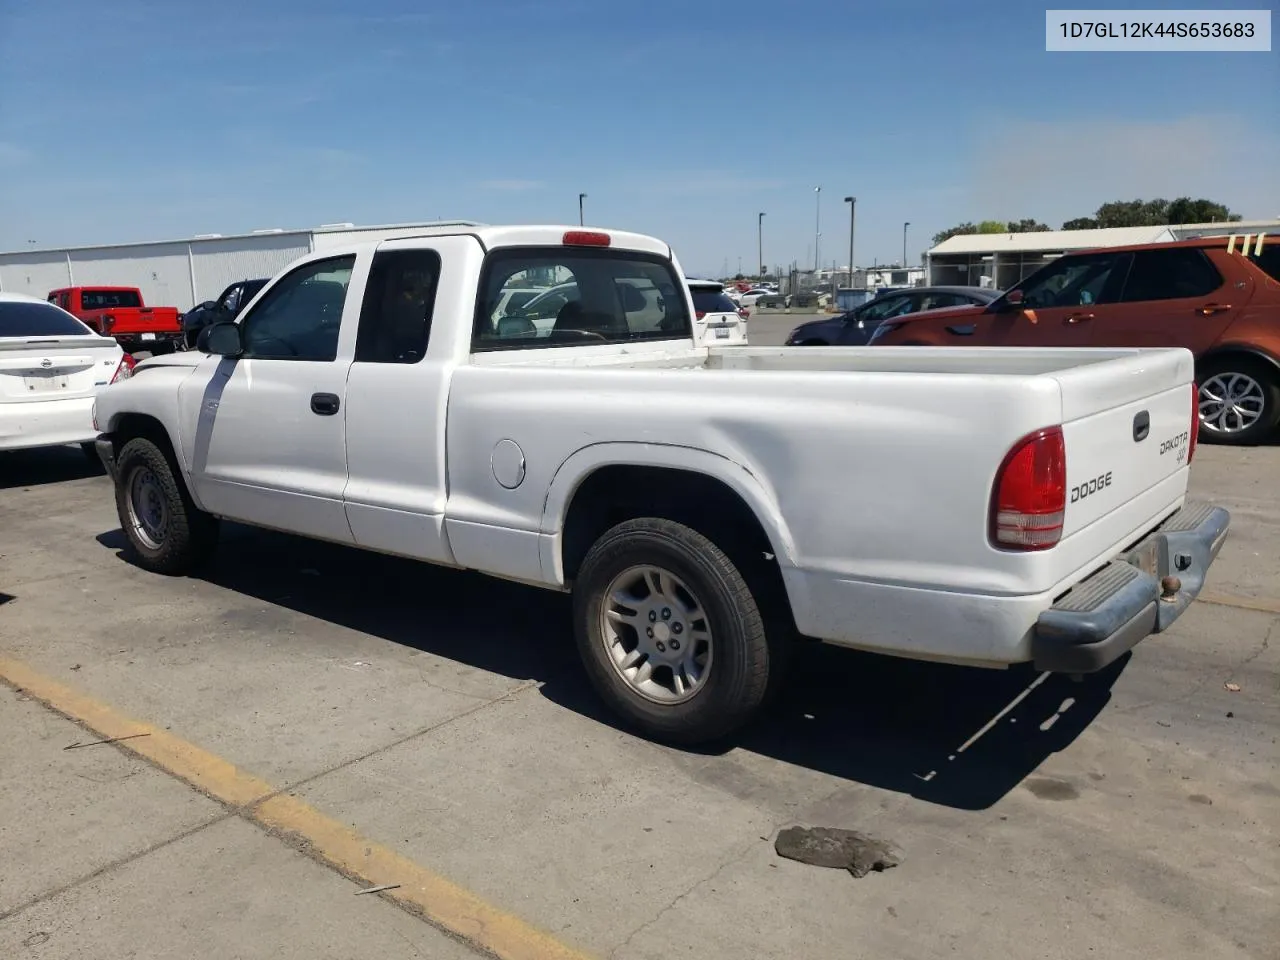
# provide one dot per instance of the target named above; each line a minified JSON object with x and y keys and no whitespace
{"x":325,"y":404}
{"x":1209,"y":309}
{"x":1079,"y":318}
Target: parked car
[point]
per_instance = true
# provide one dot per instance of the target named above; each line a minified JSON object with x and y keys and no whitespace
{"x":119,"y":313}
{"x":51,"y":368}
{"x":227,"y":307}
{"x":854,"y":329}
{"x":1218,"y":297}
{"x":755,"y":295}
{"x":715,"y":316}
{"x":678,"y":492}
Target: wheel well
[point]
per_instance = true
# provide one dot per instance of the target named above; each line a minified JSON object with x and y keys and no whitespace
{"x":617,"y":493}
{"x":130,"y":426}
{"x":1228,"y":353}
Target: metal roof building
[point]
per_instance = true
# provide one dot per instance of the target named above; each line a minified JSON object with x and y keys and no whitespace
{"x":1003,"y":259}
{"x":182,"y":273}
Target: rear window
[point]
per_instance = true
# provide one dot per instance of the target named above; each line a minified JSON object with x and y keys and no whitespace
{"x":1268,"y":261}
{"x":706,"y":300}
{"x":109,"y":299}
{"x":585,"y":296}
{"x":38,"y":320}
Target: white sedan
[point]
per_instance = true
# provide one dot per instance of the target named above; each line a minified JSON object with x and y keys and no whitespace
{"x":52,"y":367}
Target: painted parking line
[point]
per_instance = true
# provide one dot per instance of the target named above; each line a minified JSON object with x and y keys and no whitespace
{"x":440,"y":901}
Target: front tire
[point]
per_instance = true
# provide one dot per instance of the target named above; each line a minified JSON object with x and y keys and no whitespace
{"x":1239,"y":401}
{"x":166,"y":532}
{"x":670,"y":634}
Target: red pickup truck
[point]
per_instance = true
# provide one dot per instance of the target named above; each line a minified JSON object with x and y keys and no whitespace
{"x":120,"y":313}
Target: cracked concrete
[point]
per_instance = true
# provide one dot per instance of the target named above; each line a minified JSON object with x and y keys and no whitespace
{"x":445,"y":716}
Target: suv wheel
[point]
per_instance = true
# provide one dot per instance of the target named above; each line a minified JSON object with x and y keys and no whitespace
{"x":1239,"y":400}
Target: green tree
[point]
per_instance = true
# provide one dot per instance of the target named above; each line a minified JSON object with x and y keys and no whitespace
{"x":1186,"y":210}
{"x":1027,"y":226}
{"x":1153,"y":213}
{"x":955,"y":231}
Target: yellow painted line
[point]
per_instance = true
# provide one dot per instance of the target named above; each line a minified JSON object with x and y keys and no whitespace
{"x":1260,"y":604}
{"x":437,"y":899}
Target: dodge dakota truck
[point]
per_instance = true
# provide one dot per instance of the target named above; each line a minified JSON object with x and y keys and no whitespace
{"x":689,"y":497}
{"x":119,"y":313}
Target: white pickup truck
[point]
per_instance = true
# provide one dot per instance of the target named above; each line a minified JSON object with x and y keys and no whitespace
{"x":705,"y":505}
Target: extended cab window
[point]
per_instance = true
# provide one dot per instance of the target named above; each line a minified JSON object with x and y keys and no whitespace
{"x":585,"y":296}
{"x":395,"y":319}
{"x":109,"y":299}
{"x":300,"y":316}
{"x":1171,"y":274}
{"x":1074,"y":281}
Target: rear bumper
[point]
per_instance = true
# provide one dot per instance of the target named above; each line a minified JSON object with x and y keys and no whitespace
{"x":46,"y":423}
{"x":1139,"y":593}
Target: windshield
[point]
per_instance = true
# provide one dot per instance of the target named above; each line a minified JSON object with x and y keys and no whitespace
{"x":109,"y":299}
{"x":21,"y":319}
{"x":589,"y":296}
{"x":707,"y":300}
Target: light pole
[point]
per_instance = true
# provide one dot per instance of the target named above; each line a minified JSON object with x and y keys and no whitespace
{"x":581,"y":220}
{"x":904,"y":243}
{"x":760,"y":243}
{"x":853,"y":206}
{"x":817,"y":226}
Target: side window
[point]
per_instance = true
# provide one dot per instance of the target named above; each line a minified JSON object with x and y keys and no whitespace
{"x":936,"y":301}
{"x":1172,"y":274}
{"x":300,"y":317}
{"x":1076,"y":281}
{"x":395,"y":318}
{"x":1268,"y":261}
{"x":888,"y":307}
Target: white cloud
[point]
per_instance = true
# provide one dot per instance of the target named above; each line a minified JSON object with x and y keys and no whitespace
{"x":1058,"y":170}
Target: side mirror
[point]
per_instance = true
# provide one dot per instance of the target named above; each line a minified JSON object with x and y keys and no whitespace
{"x":222,"y":339}
{"x":1013,"y":301}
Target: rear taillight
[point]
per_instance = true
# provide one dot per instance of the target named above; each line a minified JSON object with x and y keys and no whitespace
{"x":744,"y":313}
{"x":700,"y":314}
{"x":1030,"y":496}
{"x":124,"y":369}
{"x":1195,"y":421}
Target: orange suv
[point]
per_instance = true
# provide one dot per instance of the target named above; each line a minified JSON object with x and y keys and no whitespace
{"x":1217,"y":296}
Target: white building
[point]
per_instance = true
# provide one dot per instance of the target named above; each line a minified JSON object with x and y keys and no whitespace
{"x":1001,"y":260}
{"x":180,"y":273}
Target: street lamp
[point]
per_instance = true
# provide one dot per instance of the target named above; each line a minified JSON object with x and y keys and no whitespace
{"x":853,"y":206}
{"x":904,"y":243}
{"x":760,"y":243}
{"x":817,"y":226}
{"x":581,"y":221}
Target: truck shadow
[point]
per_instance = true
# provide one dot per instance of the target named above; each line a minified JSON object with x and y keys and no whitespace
{"x":43,"y":465}
{"x":954,"y":736}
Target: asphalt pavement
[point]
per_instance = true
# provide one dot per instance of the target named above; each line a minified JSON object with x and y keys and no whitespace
{"x":308,"y":721}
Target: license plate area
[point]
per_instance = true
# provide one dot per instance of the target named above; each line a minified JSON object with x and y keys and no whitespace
{"x":1150,"y":556}
{"x":44,"y":381}
{"x":148,"y":336}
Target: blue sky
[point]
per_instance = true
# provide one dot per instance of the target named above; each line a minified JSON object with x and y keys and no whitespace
{"x":135,"y":120}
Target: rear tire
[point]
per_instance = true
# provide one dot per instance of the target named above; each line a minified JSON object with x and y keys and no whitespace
{"x":677,"y":587}
{"x":166,"y":532}
{"x":1239,"y":400}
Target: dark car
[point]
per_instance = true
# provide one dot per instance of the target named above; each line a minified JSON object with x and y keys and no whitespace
{"x":854,"y":329}
{"x":227,"y":307}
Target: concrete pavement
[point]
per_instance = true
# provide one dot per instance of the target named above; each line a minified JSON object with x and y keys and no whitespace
{"x":443,"y":716}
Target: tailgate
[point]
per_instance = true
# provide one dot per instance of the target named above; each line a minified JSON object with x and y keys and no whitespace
{"x":1127,"y":428}
{"x":129,"y":320}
